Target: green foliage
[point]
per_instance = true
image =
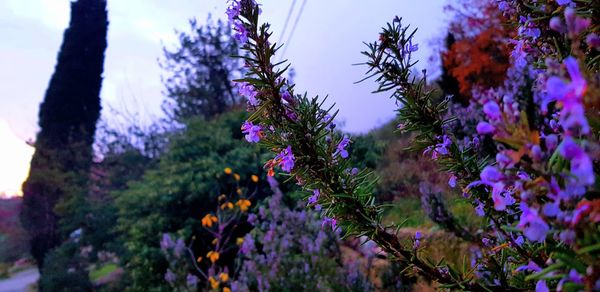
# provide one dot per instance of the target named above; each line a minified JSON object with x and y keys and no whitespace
{"x":65,"y":270}
{"x":103,"y":271}
{"x":198,"y":72}
{"x":172,"y":197}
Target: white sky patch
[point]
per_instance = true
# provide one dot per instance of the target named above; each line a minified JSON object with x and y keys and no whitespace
{"x":13,"y":153}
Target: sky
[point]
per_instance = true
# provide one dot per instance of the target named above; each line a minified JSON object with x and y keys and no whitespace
{"x":327,"y":40}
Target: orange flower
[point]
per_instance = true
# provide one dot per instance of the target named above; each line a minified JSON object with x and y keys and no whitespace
{"x":226,"y":289}
{"x":227,"y":170}
{"x":213,"y":283}
{"x":222,"y":197}
{"x":239,"y":191}
{"x":213,"y":256}
{"x":199,"y":259}
{"x":224,"y":277}
{"x":227,"y":205}
{"x":208,"y":220}
{"x":215,"y":241}
{"x":236,"y":176}
{"x":239,"y":240}
{"x":254,"y":178}
{"x":243,"y":204}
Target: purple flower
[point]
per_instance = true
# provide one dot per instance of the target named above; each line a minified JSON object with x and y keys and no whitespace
{"x":575,"y":277}
{"x":166,"y":242}
{"x":247,"y":245}
{"x":501,"y":199}
{"x":567,"y":236}
{"x":536,"y":152}
{"x":247,"y":90}
{"x":452,"y":181}
{"x":315,"y":197}
{"x":593,"y":40}
{"x":412,"y":48}
{"x":484,"y":128}
{"x":253,"y":132}
{"x":191,"y":280}
{"x":551,"y":209}
{"x":534,"y":227}
{"x":341,"y":148}
{"x":570,"y":94}
{"x":492,"y":110}
{"x":241,"y":33}
{"x":531,"y":267}
{"x":233,"y":11}
{"x":541,"y":286}
{"x":329,"y":221}
{"x":503,"y":6}
{"x":170,"y":276}
{"x":479,"y":210}
{"x":291,"y":114}
{"x":179,"y":247}
{"x":491,"y":174}
{"x":557,"y":24}
{"x":520,"y":240}
{"x":504,"y":160}
{"x":439,"y":149}
{"x":418,"y":237}
{"x":286,"y":159}
{"x":285,"y":95}
{"x":551,"y":142}
{"x":581,"y":165}
{"x":576,"y":24}
{"x":563,"y":2}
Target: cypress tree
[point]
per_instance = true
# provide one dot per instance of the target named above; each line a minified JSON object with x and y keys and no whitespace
{"x":67,"y":120}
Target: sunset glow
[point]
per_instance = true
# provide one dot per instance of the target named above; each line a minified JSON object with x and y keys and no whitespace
{"x":15,"y":155}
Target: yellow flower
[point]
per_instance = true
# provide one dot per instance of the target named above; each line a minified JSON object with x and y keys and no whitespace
{"x":199,"y":259}
{"x":236,"y":176}
{"x":213,"y":256}
{"x":254,"y":178}
{"x":224,"y":277}
{"x":227,"y":170}
{"x":213,"y":283}
{"x":208,"y":220}
{"x":243,"y":204}
{"x":227,"y":205}
{"x":239,"y":240}
{"x":239,"y":191}
{"x":226,"y":289}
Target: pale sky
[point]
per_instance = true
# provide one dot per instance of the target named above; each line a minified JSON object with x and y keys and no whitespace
{"x":326,"y":42}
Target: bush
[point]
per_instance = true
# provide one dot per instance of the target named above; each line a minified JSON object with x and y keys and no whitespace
{"x":65,"y":269}
{"x":185,"y":185}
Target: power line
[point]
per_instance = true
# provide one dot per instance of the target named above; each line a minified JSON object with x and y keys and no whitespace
{"x":287,"y":44}
{"x":287,"y":20}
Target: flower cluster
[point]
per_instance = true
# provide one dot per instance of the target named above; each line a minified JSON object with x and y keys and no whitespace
{"x":289,"y":251}
{"x":187,"y":270}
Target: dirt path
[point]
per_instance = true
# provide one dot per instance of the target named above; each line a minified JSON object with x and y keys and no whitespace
{"x":19,"y":281}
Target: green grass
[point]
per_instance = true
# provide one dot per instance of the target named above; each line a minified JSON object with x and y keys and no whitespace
{"x":103,"y":271}
{"x":409,"y":211}
{"x":4,"y":267}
